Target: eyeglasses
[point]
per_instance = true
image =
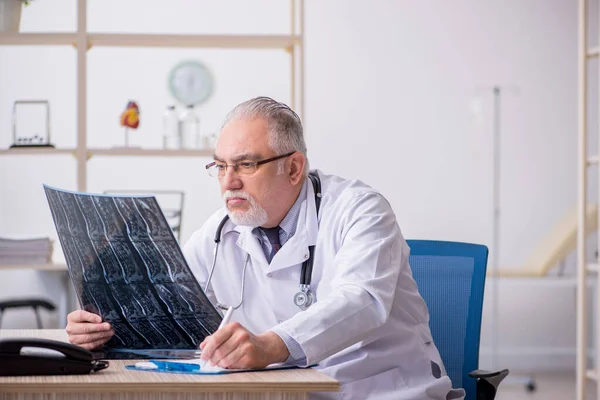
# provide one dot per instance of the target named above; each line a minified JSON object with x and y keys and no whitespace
{"x":219,"y":169}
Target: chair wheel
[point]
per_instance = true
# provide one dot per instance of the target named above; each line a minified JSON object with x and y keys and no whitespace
{"x":531,"y":387}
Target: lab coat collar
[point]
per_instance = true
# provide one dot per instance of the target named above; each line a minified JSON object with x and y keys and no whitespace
{"x":311,"y":221}
{"x":295,"y":250}
{"x":245,"y":240}
{"x":250,"y":244}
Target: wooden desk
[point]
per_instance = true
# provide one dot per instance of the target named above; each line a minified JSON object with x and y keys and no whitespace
{"x":116,"y":382}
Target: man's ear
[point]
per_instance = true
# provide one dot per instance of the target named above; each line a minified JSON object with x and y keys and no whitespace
{"x":295,"y":167}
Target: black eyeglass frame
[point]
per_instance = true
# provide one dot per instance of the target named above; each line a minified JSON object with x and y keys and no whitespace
{"x":236,"y":165}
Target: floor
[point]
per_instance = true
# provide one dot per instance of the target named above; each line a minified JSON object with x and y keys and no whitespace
{"x":550,"y":386}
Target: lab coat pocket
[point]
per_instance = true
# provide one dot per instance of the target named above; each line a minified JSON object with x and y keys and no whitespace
{"x":386,"y":385}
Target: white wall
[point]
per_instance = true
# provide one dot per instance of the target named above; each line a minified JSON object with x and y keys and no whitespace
{"x":398,"y":94}
{"x":395,"y":99}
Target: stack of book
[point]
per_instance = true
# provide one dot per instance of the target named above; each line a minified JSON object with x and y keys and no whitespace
{"x":25,"y":251}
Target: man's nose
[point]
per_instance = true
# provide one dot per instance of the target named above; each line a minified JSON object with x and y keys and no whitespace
{"x":231,"y":180}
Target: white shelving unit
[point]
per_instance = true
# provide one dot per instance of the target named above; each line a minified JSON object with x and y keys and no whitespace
{"x":37,"y":150}
{"x":585,"y":271}
{"x":83,"y":40}
{"x":149,"y":152}
{"x":154,"y":40}
{"x":36,"y":267}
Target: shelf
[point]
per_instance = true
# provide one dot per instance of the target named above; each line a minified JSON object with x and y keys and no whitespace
{"x":593,"y":52}
{"x":123,"y":151}
{"x":38,"y":39}
{"x":36,"y":150}
{"x":152,"y":40}
{"x":140,"y":152}
{"x":170,"y":40}
{"x":36,"y":267}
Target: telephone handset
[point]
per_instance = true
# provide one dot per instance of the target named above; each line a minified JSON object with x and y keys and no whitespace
{"x":30,"y":356}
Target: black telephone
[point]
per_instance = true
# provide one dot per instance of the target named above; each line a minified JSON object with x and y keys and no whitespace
{"x":29,"y":356}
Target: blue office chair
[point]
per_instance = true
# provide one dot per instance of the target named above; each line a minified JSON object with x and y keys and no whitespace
{"x":451,"y":278}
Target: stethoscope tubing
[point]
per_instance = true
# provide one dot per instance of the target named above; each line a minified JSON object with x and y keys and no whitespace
{"x":306,"y":272}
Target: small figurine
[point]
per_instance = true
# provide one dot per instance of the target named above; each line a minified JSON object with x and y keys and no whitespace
{"x":130,"y":118}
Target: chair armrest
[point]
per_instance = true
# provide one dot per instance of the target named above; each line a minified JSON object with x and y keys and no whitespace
{"x":488,"y":382}
{"x":480,"y":373}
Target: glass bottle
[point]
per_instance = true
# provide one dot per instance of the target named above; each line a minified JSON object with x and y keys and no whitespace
{"x":170,"y":129}
{"x":189,"y":128}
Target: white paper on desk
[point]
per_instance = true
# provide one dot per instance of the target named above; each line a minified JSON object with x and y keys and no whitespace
{"x":179,"y":367}
{"x":208,"y":368}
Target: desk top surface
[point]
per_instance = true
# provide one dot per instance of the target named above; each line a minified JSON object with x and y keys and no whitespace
{"x":118,"y":379}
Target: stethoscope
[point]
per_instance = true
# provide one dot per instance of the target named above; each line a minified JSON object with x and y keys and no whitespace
{"x":305,"y":297}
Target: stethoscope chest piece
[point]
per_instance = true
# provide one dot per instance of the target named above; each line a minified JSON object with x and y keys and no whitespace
{"x":304,"y":298}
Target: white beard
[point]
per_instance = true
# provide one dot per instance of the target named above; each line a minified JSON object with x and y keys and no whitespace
{"x":254,"y":217}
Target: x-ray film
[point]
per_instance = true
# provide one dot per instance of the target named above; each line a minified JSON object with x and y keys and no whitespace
{"x":127,"y":267}
{"x":144,"y":354}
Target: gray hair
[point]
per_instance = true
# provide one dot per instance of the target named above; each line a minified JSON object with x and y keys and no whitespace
{"x":286,"y":134}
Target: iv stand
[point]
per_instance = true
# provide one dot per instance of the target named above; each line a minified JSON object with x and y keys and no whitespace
{"x":496,"y":226}
{"x":528,"y":380}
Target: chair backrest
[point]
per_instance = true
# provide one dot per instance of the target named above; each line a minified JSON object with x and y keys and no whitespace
{"x":451,"y":278}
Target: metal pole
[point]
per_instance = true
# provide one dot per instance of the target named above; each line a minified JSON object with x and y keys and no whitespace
{"x":292,"y":51}
{"x":82,"y":47}
{"x":301,"y":66}
{"x":496,"y":225}
{"x":581,"y":206}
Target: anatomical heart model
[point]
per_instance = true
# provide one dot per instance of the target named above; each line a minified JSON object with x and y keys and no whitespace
{"x":130,"y":119}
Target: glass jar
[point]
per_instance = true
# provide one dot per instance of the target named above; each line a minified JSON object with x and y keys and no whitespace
{"x":189,"y":128}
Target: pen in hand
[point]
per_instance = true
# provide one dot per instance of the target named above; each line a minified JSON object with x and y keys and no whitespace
{"x":226,"y":318}
{"x":224,"y":321}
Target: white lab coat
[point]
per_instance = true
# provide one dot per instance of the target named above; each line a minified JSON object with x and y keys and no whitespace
{"x":369,"y":326}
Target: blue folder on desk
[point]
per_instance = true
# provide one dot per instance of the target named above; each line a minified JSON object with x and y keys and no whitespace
{"x":197,"y":367}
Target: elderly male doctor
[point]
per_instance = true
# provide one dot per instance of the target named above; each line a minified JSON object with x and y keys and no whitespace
{"x":367,"y":325}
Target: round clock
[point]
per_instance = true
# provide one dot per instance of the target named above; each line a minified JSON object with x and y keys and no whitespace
{"x":191,"y":83}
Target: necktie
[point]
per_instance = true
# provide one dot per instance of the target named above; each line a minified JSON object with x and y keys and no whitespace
{"x":273,"y":236}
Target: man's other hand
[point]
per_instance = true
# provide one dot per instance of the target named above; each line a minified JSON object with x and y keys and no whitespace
{"x":87,"y":330}
{"x":233,"y":346}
